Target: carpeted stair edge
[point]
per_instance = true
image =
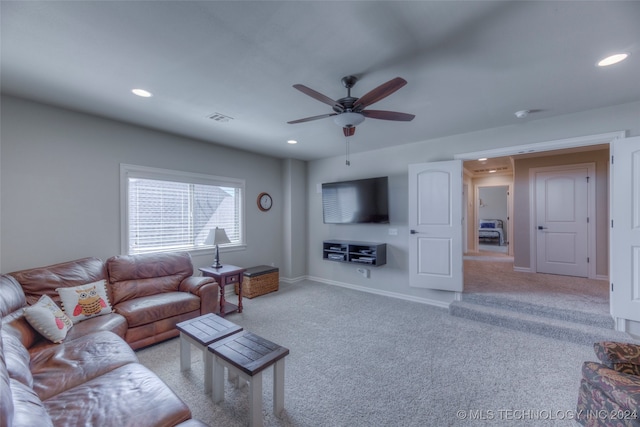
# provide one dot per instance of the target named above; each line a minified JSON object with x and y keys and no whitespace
{"x":568,"y":315}
{"x":552,"y":328}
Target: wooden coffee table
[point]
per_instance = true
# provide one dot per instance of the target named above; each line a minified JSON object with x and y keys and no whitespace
{"x":247,"y":355}
{"x":201,"y":332}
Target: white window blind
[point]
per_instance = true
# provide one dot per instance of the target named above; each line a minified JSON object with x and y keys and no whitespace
{"x":166,"y":210}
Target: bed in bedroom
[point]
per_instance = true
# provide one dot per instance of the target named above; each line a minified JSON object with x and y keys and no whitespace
{"x":491,"y":231}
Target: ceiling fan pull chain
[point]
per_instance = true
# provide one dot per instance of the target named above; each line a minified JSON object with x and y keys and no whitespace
{"x":347,"y":162}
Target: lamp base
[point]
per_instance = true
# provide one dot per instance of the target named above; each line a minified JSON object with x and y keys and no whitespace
{"x":216,"y":261}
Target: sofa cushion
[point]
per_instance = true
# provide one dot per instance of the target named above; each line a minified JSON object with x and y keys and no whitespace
{"x":12,"y":296}
{"x":623,"y":357}
{"x":48,"y":319}
{"x":59,"y":367}
{"x":45,"y":280}
{"x":6,"y":399}
{"x":141,"y":311}
{"x":135,"y":276}
{"x":85,"y":301}
{"x":17,"y":359}
{"x":112,"y":322}
{"x":130,"y":395}
{"x":28,"y":409}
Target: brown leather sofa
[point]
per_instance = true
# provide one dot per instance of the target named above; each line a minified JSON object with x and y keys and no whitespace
{"x":149,"y":294}
{"x":93,"y":377}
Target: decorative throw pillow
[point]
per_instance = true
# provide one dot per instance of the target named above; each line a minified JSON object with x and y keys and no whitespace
{"x":48,"y":319}
{"x":85,"y":301}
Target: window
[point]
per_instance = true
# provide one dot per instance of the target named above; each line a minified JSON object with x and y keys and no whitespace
{"x":165,"y":210}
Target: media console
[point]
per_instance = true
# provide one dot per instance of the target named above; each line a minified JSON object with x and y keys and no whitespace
{"x":362,"y":253}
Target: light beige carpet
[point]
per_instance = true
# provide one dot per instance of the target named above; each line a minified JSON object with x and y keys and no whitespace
{"x":492,"y":274}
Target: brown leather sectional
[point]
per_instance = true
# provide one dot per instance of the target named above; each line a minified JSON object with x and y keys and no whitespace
{"x":93,"y":377}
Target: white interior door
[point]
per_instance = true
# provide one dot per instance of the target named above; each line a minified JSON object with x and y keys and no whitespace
{"x":625,"y":233}
{"x":562,"y":216}
{"x":435,"y":220}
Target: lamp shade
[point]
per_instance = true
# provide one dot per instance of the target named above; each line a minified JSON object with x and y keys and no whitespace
{"x":348,"y":119}
{"x":217,"y":236}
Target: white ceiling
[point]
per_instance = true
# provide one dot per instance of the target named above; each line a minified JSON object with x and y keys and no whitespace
{"x":469,"y":65}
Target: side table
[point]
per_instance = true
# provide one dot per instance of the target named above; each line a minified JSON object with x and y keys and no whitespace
{"x":226,"y":275}
{"x":201,"y":332}
{"x":246,"y":354}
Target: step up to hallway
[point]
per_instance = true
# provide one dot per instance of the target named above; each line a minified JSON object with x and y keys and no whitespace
{"x":582,"y":327}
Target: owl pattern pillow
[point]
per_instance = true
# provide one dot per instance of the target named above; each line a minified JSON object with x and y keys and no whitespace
{"x":85,"y":301}
{"x":48,"y":319}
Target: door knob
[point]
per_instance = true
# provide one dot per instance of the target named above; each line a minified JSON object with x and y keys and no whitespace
{"x":541,"y":227}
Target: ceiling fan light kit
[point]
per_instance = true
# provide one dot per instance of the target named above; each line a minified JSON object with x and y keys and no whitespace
{"x":348,"y":119}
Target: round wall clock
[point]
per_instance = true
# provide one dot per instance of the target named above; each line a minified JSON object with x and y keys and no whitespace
{"x":264,"y":202}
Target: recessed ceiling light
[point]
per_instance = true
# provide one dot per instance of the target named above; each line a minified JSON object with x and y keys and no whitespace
{"x":484,"y":159}
{"x":292,"y":141}
{"x":492,"y":171}
{"x":141,"y":92}
{"x":613,"y":59}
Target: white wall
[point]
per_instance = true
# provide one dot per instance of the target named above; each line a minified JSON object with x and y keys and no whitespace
{"x":60,"y":185}
{"x":393,"y":278}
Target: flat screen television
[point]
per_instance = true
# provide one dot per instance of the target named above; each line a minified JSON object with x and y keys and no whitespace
{"x":362,"y":201}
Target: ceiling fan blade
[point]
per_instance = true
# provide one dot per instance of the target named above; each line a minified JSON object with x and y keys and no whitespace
{"x":349,"y":131}
{"x":388,"y":115}
{"x":380,"y":92}
{"x":318,"y":96}
{"x":308,"y":119}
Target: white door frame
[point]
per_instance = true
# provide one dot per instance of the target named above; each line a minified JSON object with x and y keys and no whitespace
{"x":580,"y":141}
{"x":591,"y":214}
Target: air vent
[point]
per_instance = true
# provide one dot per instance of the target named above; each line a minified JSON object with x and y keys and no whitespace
{"x":220,"y":117}
{"x":498,"y":169}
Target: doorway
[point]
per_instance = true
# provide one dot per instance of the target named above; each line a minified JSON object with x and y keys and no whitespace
{"x":493,"y":218}
{"x":522,"y":237}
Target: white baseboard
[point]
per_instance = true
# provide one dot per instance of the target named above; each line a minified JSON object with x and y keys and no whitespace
{"x":530,"y":270}
{"x":420,"y":300}
{"x":293,"y":279}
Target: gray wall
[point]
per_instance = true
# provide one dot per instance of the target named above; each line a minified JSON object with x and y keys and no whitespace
{"x":294,"y":219}
{"x":60,"y":185}
{"x":393,"y":278}
{"x":494,"y":205}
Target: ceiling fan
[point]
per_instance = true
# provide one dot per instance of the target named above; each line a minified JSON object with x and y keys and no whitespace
{"x":349,"y":111}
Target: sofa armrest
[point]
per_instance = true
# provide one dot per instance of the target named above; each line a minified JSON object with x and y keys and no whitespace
{"x":204,"y":287}
{"x":621,"y":388}
{"x":623,"y":357}
{"x":194,"y":283}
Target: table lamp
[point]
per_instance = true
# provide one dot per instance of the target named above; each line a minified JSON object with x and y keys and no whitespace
{"x":217,"y":237}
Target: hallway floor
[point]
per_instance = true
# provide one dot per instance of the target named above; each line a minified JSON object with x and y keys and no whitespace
{"x":492,"y":273}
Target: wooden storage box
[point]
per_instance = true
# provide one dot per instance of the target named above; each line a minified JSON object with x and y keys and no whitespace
{"x":259,"y":280}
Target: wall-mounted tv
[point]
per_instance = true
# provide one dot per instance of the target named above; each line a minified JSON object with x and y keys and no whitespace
{"x":362,"y":201}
